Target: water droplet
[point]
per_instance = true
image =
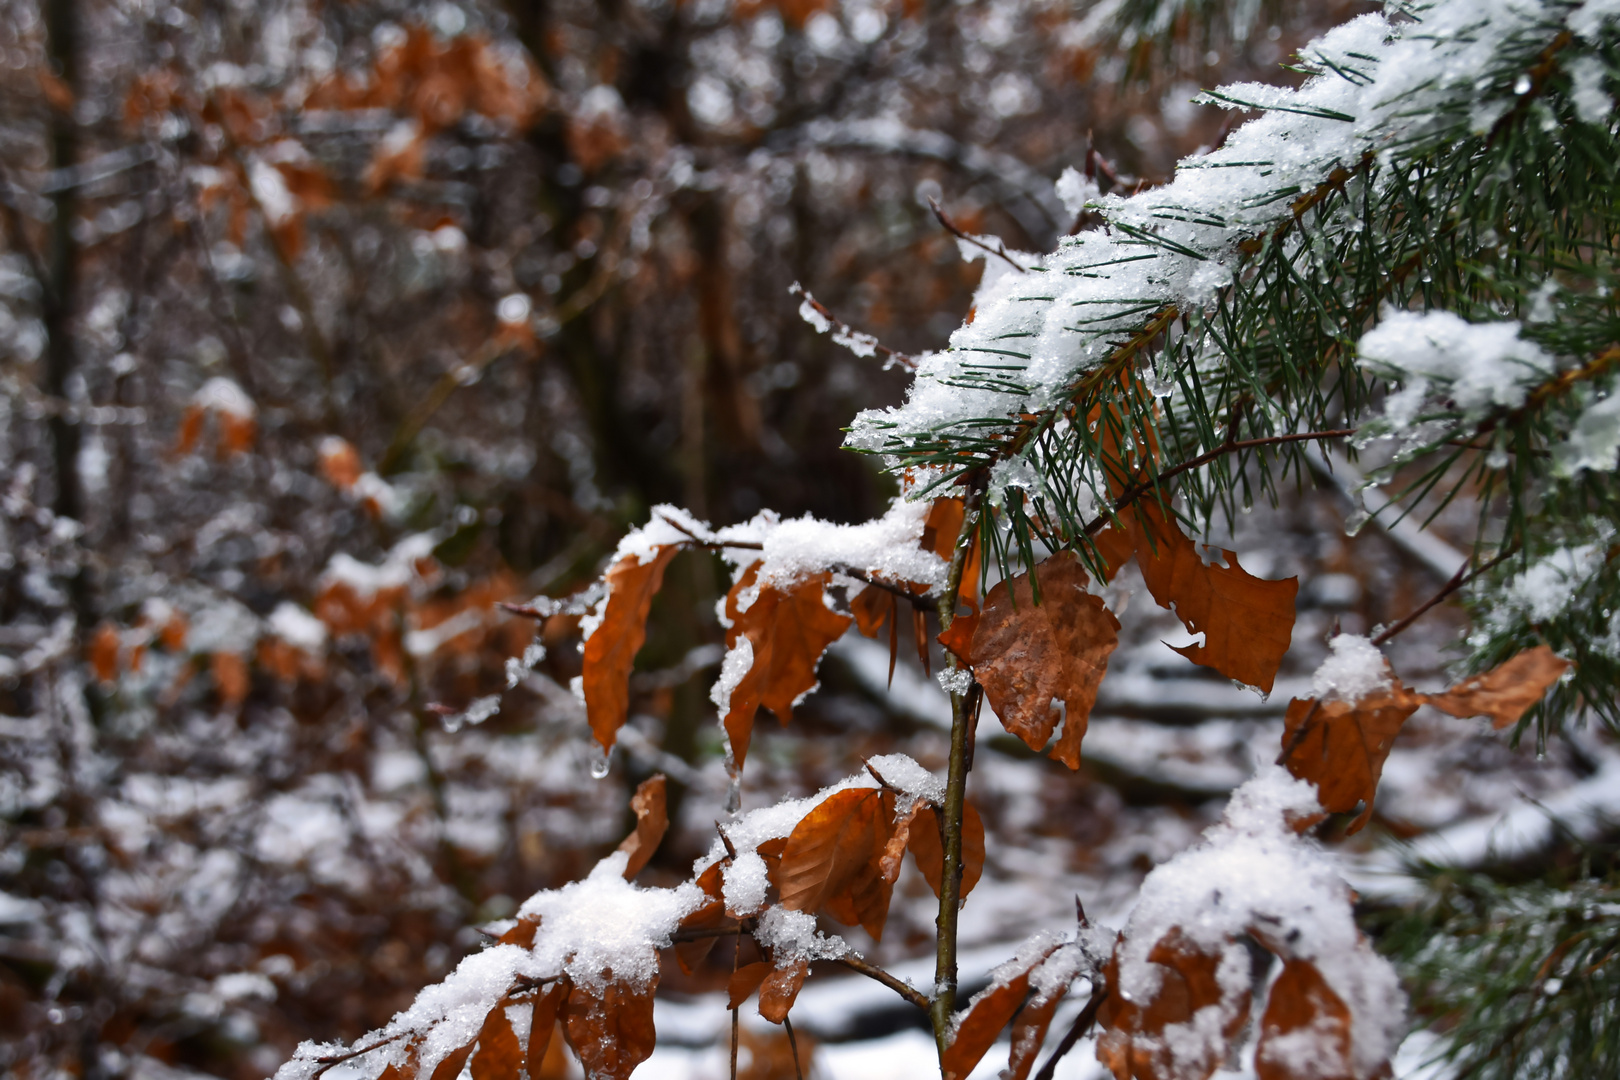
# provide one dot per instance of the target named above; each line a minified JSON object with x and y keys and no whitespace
{"x":600,"y":762}
{"x":1522,"y":85}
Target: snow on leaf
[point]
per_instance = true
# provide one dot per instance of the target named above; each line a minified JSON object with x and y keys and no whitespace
{"x":1140,"y":1039}
{"x":745,"y":980}
{"x":1025,"y":654}
{"x":1305,"y":1032}
{"x":780,"y":988}
{"x":498,"y":1055}
{"x":651,"y":823}
{"x":610,"y":651}
{"x":995,"y":1006}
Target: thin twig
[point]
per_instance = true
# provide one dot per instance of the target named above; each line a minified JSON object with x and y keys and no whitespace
{"x":1000,"y":250}
{"x":872,"y":971}
{"x":1131,"y":494}
{"x":1076,"y":1032}
{"x":1462,"y":577}
{"x":894,"y":356}
{"x":733,"y":1044}
{"x":793,"y":1046}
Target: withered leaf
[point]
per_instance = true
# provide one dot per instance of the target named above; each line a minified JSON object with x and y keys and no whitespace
{"x":988,"y":1013}
{"x":1029,"y":1033}
{"x":522,"y":933}
{"x":498,"y":1055}
{"x":1506,"y":691}
{"x":543,"y":1025}
{"x":610,"y":654}
{"x":450,"y":1066}
{"x":745,"y":980}
{"x":833,"y":859}
{"x":710,"y":916}
{"x":1132,"y":1045}
{"x":871,"y":607}
{"x":1341,"y":747}
{"x":651,"y":823}
{"x":1302,"y":1003}
{"x":611,"y":1030}
{"x":780,"y":989}
{"x":1025,"y":654}
{"x":788,"y":629}
{"x":1247,"y":622}
{"x":923,"y":840}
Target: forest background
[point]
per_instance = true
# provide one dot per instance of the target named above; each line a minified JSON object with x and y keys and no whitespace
{"x":327,"y":328}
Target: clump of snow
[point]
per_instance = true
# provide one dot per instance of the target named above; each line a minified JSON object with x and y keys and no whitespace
{"x":480,"y":710}
{"x":905,"y":775}
{"x":1594,"y":442}
{"x":606,"y":924}
{"x":1475,"y":365}
{"x":396,"y":571}
{"x":297,"y":627}
{"x":1074,"y":190}
{"x":887,"y":547}
{"x":517,"y":667}
{"x":1552,"y":585}
{"x":739,"y":659}
{"x":744,"y":884}
{"x":223,"y":395}
{"x":955,"y":680}
{"x":1355,"y":669}
{"x":1592,"y":101}
{"x":1253,"y":875}
{"x":792,"y":936}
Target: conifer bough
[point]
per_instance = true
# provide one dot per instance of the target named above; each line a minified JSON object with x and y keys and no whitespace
{"x":1413,"y":252}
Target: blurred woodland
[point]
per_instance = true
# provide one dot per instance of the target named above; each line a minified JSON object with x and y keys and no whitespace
{"x":325,"y":327}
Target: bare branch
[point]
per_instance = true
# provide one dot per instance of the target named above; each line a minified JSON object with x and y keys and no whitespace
{"x":1000,"y":250}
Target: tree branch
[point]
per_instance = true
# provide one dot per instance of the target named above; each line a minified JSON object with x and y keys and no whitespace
{"x":1462,"y":577}
{"x":1076,"y":1032}
{"x":1000,"y":250}
{"x":872,"y":971}
{"x":894,"y":356}
{"x":950,"y":891}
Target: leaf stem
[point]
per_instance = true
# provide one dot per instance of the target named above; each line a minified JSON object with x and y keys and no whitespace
{"x":1076,"y":1032}
{"x":877,"y":974}
{"x":950,"y":886}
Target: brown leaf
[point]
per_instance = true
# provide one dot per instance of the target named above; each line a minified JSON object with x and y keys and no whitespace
{"x":958,"y":637}
{"x":745,"y":980}
{"x":1506,"y":691}
{"x":833,"y":857}
{"x":988,"y":1013}
{"x":1029,"y":1033}
{"x":780,"y":989}
{"x":611,"y":1030}
{"x":522,"y":933}
{"x":689,"y":954}
{"x":102,"y":652}
{"x":899,"y":838}
{"x":1132,"y":1045}
{"x":925,"y":847}
{"x":340,"y":462}
{"x":610,"y":654}
{"x":1302,"y":1005}
{"x":651,"y":823}
{"x":1025,"y":654}
{"x":541,"y":1028}
{"x":871,"y":607}
{"x":449,"y":1067}
{"x":788,"y":631}
{"x":940,"y":532}
{"x":230,"y":673}
{"x":1341,"y":747}
{"x":1247,"y":622}
{"x":499,"y":1054}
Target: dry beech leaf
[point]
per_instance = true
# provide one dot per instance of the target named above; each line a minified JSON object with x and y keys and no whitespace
{"x":521,"y":934}
{"x":498,"y":1055}
{"x":231,"y":676}
{"x":1029,"y":1033}
{"x":1305,"y":1032}
{"x":1341,"y":747}
{"x":987,"y":1015}
{"x":788,"y":630}
{"x":745,"y":980}
{"x":610,"y":654}
{"x":449,"y":1067}
{"x":958,"y":637}
{"x":1132,"y":1044}
{"x":1505,"y":692}
{"x":611,"y":1031}
{"x":541,"y":1061}
{"x":690,"y":954}
{"x":940,"y":531}
{"x":102,"y":652}
{"x":923,"y":840}
{"x":871,"y":607}
{"x":833,"y":857}
{"x":899,"y":839}
{"x":780,"y":989}
{"x":651,"y":823}
{"x":1025,"y":654}
{"x":1247,"y":622}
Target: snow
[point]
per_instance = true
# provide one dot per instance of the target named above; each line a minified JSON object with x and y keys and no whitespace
{"x":297,"y":627}
{"x":1594,"y":442}
{"x":1253,"y":874}
{"x":792,"y":936}
{"x":223,"y":395}
{"x":886,"y":547}
{"x":745,"y":882}
{"x":1477,"y":365}
{"x":904,"y":774}
{"x":739,"y":659}
{"x":481,"y":709}
{"x":1553,"y":584}
{"x":1592,"y":101}
{"x":1355,"y":669}
{"x":1074,"y":191}
{"x":396,"y":571}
